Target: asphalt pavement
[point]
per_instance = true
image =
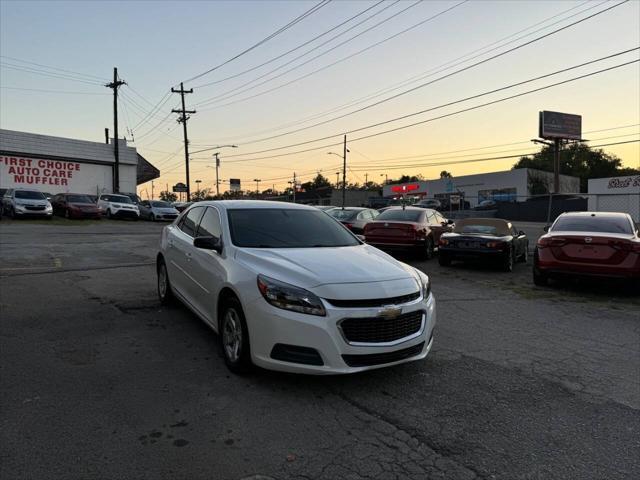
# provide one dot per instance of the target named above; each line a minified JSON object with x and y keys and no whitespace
{"x":98,"y":381}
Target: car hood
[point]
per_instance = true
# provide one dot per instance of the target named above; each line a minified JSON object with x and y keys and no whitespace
{"x":30,"y":202}
{"x":83,"y":205}
{"x":360,"y":271}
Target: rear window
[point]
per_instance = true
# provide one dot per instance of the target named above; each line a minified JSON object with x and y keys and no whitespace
{"x":597,"y":223}
{"x":481,"y":229}
{"x":342,"y":215}
{"x":118,"y":199}
{"x":161,"y":204}
{"x":401,"y":215}
{"x":78,"y":199}
{"x":29,"y":195}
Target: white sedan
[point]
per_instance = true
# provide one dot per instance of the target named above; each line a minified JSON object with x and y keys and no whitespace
{"x":288,"y":288}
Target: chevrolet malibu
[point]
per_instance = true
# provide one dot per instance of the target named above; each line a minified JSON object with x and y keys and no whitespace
{"x":288,"y":288}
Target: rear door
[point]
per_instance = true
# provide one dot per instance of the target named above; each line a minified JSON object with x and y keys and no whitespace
{"x":179,"y":253}
{"x":207,"y":267}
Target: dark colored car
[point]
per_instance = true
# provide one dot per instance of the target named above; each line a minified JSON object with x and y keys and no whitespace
{"x":600,"y":244}
{"x":486,"y":205}
{"x":484,"y":238}
{"x":354,"y":218}
{"x":410,"y":228}
{"x":75,"y":205}
{"x":181,"y":206}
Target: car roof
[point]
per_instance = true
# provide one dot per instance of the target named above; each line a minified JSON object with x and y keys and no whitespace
{"x":247,"y":204}
{"x":595,"y":214}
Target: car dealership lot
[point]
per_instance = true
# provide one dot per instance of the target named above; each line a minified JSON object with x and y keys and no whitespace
{"x":100,"y":381}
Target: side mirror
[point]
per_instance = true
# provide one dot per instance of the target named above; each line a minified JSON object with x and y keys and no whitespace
{"x":450,"y":222}
{"x":522,"y":234}
{"x":546,"y":228}
{"x":208,"y":243}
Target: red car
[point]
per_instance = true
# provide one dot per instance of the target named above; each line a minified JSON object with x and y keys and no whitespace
{"x":75,"y":205}
{"x":600,"y":244}
{"x":409,"y":228}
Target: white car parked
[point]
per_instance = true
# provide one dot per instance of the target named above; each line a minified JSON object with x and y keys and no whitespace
{"x":118,"y":206}
{"x":288,"y":288}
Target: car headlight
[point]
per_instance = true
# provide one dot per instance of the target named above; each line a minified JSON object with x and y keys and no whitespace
{"x":425,"y":284}
{"x":289,"y":297}
{"x":48,"y":207}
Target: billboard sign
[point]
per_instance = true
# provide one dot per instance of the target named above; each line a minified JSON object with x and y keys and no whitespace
{"x":234,"y":184}
{"x":399,"y":189}
{"x":179,"y":188}
{"x":560,"y":125}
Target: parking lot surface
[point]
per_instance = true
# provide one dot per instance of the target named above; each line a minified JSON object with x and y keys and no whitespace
{"x":100,"y":381}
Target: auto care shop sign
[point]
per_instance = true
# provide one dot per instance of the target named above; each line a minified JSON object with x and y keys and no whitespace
{"x":52,"y":175}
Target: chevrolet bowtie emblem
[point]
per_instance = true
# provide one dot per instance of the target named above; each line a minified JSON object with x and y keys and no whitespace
{"x":389,"y":312}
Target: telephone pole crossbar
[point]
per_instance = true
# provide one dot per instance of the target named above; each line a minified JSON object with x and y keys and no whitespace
{"x":184,"y":116}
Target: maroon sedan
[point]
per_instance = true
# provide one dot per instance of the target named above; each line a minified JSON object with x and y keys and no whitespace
{"x":600,"y":244}
{"x":409,"y":228}
{"x":75,"y":205}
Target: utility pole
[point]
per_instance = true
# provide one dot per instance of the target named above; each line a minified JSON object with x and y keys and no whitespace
{"x":116,"y":166}
{"x":151,"y":189}
{"x":366,"y":179}
{"x":217,"y":178}
{"x":337,"y":179}
{"x":293,"y":185}
{"x":556,"y":165}
{"x":198,"y":186}
{"x":344,"y":171}
{"x":257,"y":180}
{"x":183,"y":119}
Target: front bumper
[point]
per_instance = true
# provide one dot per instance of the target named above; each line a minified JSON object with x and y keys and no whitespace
{"x":125,"y":213}
{"x":470,"y":253}
{"x":548,"y":265}
{"x":270,"y":326}
{"x":25,"y":212}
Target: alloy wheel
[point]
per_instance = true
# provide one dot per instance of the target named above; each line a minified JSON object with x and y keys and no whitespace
{"x":232,"y":335}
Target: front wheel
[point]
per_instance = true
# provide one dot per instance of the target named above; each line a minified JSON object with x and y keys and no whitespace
{"x":109,"y":213}
{"x":507,"y":261}
{"x":234,"y":337}
{"x":427,"y":250}
{"x":153,"y":217}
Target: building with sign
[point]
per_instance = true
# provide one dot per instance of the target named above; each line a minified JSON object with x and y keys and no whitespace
{"x":615,"y":194}
{"x":511,"y":185}
{"x":58,"y":165}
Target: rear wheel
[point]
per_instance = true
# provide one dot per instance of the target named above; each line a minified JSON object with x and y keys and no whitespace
{"x":165,"y":294}
{"x":524,"y":258}
{"x":234,"y":337}
{"x":539,"y":278}
{"x":427,"y":249}
{"x":109,"y":213}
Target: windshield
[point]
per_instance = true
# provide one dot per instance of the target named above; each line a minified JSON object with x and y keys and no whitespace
{"x":119,"y":199}
{"x":161,"y":204}
{"x":401,"y":215}
{"x":286,"y":228}
{"x":78,"y":199}
{"x":29,"y":195}
{"x":600,"y":224}
{"x":482,"y":229}
{"x":342,"y":215}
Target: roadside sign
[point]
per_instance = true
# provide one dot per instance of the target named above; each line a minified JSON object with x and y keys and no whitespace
{"x":560,"y":125}
{"x":179,"y":187}
{"x":234,"y":184}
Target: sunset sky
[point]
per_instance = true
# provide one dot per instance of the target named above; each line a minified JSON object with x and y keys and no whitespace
{"x":156,"y":45}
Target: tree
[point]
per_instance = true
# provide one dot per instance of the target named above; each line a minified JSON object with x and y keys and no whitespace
{"x":445,"y":174}
{"x":413,"y":178}
{"x":200,"y":195}
{"x":578,"y":160}
{"x":168,"y":196}
{"x":319,"y":182}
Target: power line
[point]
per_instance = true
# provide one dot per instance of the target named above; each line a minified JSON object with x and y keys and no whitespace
{"x":337,"y":61}
{"x":101,"y":79}
{"x":393,"y":97}
{"x":47,"y":74}
{"x":67,"y":92}
{"x":225,"y":95}
{"x":296,"y":20}
{"x":291,"y":50}
{"x":456,"y":102}
{"x":427,"y":73}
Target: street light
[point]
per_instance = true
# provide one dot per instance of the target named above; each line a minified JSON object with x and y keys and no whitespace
{"x":198,"y":182}
{"x":257,"y":180}
{"x":344,"y":167}
{"x":386,"y":178}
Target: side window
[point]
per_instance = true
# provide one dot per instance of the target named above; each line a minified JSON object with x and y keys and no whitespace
{"x":439,"y":218}
{"x":144,"y":203}
{"x":210,"y":224}
{"x":104,"y":198}
{"x":190,"y":222}
{"x":374,"y":213}
{"x":362,"y":215}
{"x":431,"y":219}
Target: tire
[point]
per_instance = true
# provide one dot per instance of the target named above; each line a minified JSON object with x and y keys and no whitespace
{"x":427,"y":251}
{"x":444,"y":260}
{"x":524,"y":258}
{"x":165,"y":294}
{"x":508,"y":261}
{"x":234,"y":337}
{"x":539,"y":278}
{"x":109,"y":213}
{"x":153,"y":217}
{"x":12,"y":214}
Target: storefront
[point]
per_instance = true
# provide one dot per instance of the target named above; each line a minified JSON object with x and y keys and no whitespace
{"x":615,"y":194}
{"x":57,"y":165}
{"x":509,"y":186}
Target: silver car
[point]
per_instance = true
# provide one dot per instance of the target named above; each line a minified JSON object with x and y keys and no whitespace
{"x":157,"y":210}
{"x":26,"y":203}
